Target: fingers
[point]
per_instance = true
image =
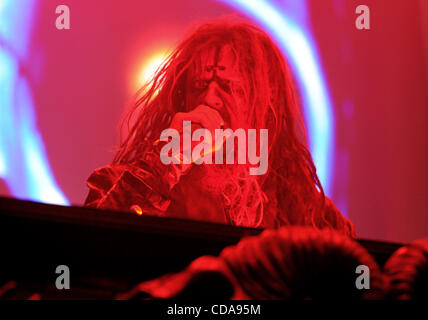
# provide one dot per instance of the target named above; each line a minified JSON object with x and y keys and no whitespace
{"x":208,"y":117}
{"x":203,"y":115}
{"x":177,"y":122}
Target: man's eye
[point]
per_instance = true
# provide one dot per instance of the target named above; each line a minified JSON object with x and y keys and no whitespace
{"x":226,"y":85}
{"x":201,"y":84}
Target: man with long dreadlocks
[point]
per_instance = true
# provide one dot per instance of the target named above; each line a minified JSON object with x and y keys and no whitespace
{"x":224,"y":75}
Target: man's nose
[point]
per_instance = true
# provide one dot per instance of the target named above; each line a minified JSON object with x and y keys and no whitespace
{"x":212,"y":97}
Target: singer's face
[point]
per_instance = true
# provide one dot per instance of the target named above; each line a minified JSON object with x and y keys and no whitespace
{"x":216,"y":82}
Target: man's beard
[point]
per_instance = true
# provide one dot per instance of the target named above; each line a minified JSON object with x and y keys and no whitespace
{"x":233,"y":189}
{"x":219,"y":179}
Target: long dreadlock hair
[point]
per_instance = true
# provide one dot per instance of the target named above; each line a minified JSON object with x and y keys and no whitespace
{"x":291,"y":186}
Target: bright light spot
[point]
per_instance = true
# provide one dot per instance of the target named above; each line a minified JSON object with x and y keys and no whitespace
{"x":137,"y":209}
{"x":150,"y":66}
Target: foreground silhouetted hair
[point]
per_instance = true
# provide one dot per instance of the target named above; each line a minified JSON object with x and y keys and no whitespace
{"x":291,"y":190}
